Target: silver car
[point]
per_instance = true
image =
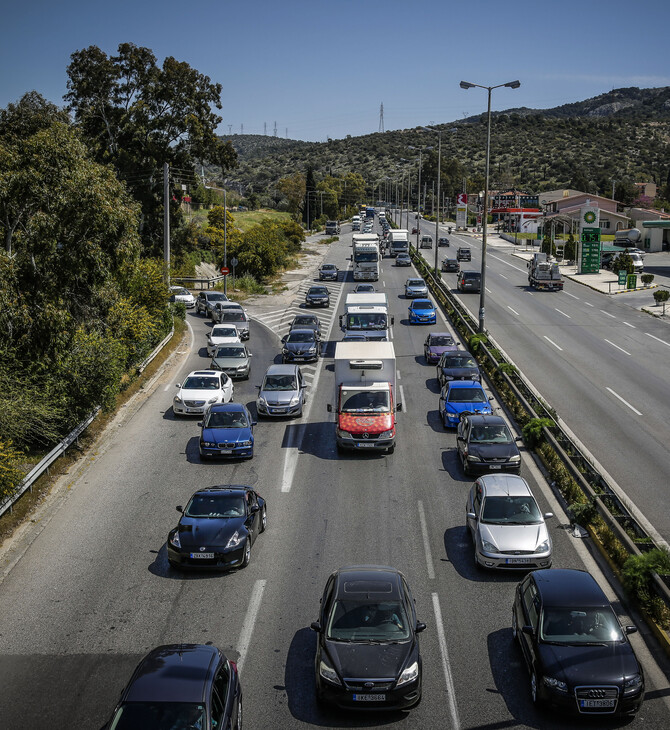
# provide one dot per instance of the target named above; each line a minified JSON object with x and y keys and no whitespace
{"x":233,"y":359}
{"x":282,"y":392}
{"x":206,"y":300}
{"x":235,"y":316}
{"x":507,"y":527}
{"x":415,"y":288}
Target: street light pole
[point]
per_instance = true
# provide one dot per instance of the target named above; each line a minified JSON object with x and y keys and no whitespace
{"x":437,"y":217}
{"x":482,"y":295}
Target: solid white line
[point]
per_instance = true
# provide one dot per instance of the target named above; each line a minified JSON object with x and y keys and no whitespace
{"x":571,"y":295}
{"x":426,"y":543}
{"x":653,"y":337}
{"x":588,"y":304}
{"x":487,"y":289}
{"x":523,"y":271}
{"x":608,"y":314}
{"x":629,"y":325}
{"x":167,"y":387}
{"x":625,"y":402}
{"x":617,"y":347}
{"x":402,"y":399}
{"x":249,"y":622}
{"x":512,"y":310}
{"x":563,"y":313}
{"x":553,"y":343}
{"x":448,"y":679}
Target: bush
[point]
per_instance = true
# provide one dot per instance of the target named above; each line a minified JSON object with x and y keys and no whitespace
{"x":10,"y":472}
{"x":178,"y":310}
{"x":532,"y":431}
{"x":583,"y":513}
{"x":661,"y":295}
{"x":249,"y":285}
{"x":647,"y":279}
{"x":636,"y":577}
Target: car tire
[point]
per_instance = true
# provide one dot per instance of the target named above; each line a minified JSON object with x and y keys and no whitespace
{"x":247,"y":553}
{"x":535,"y":690}
{"x":264,"y":519}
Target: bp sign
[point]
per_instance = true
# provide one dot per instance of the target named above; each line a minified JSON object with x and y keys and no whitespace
{"x":622,"y":277}
{"x":590,"y":251}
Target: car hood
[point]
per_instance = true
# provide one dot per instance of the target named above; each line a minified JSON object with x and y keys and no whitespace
{"x":422,"y":312}
{"x":226,"y":435}
{"x":492,"y":451}
{"x":470,"y":407}
{"x":365,"y":422}
{"x":417,"y":290}
{"x":514,"y":537}
{"x":208,"y":532}
{"x":215,"y":341}
{"x":229,"y":362}
{"x":437,"y":350}
{"x":584,"y":665}
{"x":373,"y":661}
{"x":299,"y":346}
{"x":461,"y":373}
{"x":198,"y":394}
{"x":278,"y":397}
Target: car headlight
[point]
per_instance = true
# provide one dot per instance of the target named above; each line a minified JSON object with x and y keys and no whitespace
{"x":516,"y":458}
{"x":235,"y":540}
{"x":472,"y":457}
{"x":312,"y":349}
{"x":543,"y":547}
{"x":207,"y":444}
{"x":489,"y":547}
{"x":328,"y":673}
{"x":632,"y":685}
{"x":177,"y":399}
{"x":240,"y":368}
{"x":261,"y":401}
{"x":174,"y":539}
{"x":284,"y":351}
{"x":215,"y":399}
{"x":409,"y":674}
{"x":554,"y":683}
{"x":245,"y":443}
{"x":386,"y":434}
{"x":295,"y":400}
{"x":343,"y":434}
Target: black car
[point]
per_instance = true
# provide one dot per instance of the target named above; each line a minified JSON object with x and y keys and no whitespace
{"x":442,"y":241}
{"x":367,"y":653}
{"x":485,"y":444}
{"x":300,"y":346}
{"x":457,"y":366}
{"x":317,"y":296}
{"x":578,"y":655}
{"x":451,"y":265}
{"x":464,"y":254}
{"x":306,"y":322}
{"x":217,"y":528}
{"x":181,"y":685}
{"x":469,"y":281}
{"x":328,"y":271}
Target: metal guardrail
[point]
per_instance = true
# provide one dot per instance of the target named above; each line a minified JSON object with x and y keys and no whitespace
{"x":194,"y":280}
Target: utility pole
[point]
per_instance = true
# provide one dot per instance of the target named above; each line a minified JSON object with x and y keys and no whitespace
{"x":166,"y":221}
{"x":275,"y":129}
{"x":230,"y":129}
{"x":225,"y":241}
{"x":381,"y":118}
{"x":241,"y":128}
{"x":265,"y":128}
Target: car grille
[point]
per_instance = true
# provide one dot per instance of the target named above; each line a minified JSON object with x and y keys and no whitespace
{"x":517,"y":552}
{"x":227,"y":445}
{"x":597,"y":693}
{"x":194,"y":403}
{"x":276,"y":403}
{"x":368,"y":685}
{"x":501,"y":460}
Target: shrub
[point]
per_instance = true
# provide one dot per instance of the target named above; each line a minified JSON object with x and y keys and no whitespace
{"x":661,"y":295}
{"x":583,"y":513}
{"x":636,"y":577}
{"x":178,"y":310}
{"x":249,"y":285}
{"x":10,"y":472}
{"x":647,"y":279}
{"x":532,"y":431}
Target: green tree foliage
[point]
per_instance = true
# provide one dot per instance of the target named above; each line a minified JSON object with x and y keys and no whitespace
{"x":623,"y":262}
{"x":293,"y":188}
{"x":310,"y":210}
{"x":10,"y":471}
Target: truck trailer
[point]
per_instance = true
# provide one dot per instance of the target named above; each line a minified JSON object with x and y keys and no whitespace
{"x":544,"y":274}
{"x":366,"y":314}
{"x":365,"y":256}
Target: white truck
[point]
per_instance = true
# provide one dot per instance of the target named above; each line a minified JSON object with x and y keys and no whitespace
{"x":365,"y":256}
{"x":544,"y":274}
{"x":398,"y":241}
{"x":356,"y":223}
{"x":366,"y":398}
{"x":366,"y":314}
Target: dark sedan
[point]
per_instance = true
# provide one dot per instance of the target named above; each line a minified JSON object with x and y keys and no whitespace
{"x":305,"y":322}
{"x":578,"y":655}
{"x":442,"y":241}
{"x":328,"y":271}
{"x":317,"y":296}
{"x":227,"y":431}
{"x":457,"y":366}
{"x":486,"y":444}
{"x":367,"y":654}
{"x":181,"y":686}
{"x":451,"y":265}
{"x":300,"y":346}
{"x":217,"y":528}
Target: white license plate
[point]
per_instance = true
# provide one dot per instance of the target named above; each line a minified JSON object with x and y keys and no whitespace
{"x":369,"y":698}
{"x":365,"y":445}
{"x":225,"y":451}
{"x":494,"y":466}
{"x":202,"y":556}
{"x":597,"y":703}
{"x":193,"y":410}
{"x":517,"y":561}
{"x":276,"y":410}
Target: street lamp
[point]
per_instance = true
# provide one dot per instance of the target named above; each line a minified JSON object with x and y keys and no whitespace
{"x":418,"y":208}
{"x":437,"y":217}
{"x":482,"y":295}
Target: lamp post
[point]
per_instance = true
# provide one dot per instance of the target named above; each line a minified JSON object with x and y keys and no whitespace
{"x":418,"y":205}
{"x":437,"y":217}
{"x":482,"y":296}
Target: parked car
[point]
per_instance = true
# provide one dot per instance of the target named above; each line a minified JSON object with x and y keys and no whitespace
{"x":486,"y":444}
{"x":457,"y":366}
{"x":221,"y":334}
{"x":181,"y":686}
{"x":235,"y":316}
{"x":367,"y":653}
{"x":300,"y":346}
{"x":507,"y":526}
{"x":451,"y":265}
{"x":234,"y":360}
{"x":403,"y":259}
{"x":469,"y":281}
{"x":217,"y":528}
{"x":443,"y":241}
{"x":200,"y":390}
{"x":578,"y":654}
{"x":461,"y":397}
{"x":416,"y":288}
{"x":328,"y":271}
{"x":436,"y":343}
{"x":306,"y":321}
{"x":180,"y":294}
{"x":422,"y":311}
{"x":206,"y":299}
{"x":364,"y":289}
{"x":464,"y":254}
{"x":282,"y":392}
{"x":227,"y":431}
{"x":317,"y":296}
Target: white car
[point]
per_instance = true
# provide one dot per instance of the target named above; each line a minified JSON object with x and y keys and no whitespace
{"x":200,"y":390}
{"x":221,"y":334}
{"x":179,"y":294}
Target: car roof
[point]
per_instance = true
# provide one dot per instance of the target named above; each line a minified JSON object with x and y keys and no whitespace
{"x":219,"y":488}
{"x":504,"y":485}
{"x":368,"y":581}
{"x":482,"y":419}
{"x":464,"y":383}
{"x":281,"y":369}
{"x":328,"y":266}
{"x":174,"y":673}
{"x":567,"y":587}
{"x":415,"y":278}
{"x":205,"y":372}
{"x":440,"y":334}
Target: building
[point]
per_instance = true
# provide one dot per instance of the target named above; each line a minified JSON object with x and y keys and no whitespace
{"x":654,"y":226}
{"x":648,"y":189}
{"x":514,"y":210}
{"x":563,"y":207}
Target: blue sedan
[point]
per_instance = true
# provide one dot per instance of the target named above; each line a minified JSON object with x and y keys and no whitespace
{"x":459,"y":397}
{"x":227,"y":431}
{"x":422,"y":311}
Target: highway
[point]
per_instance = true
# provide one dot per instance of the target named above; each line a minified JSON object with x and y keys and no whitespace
{"x":86,"y":591}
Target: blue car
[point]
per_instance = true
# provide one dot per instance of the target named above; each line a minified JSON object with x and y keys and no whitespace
{"x":459,"y":397}
{"x":422,"y":311}
{"x":227,"y":431}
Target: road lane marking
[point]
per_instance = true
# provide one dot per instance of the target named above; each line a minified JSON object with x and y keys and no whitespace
{"x":523,"y":271}
{"x":617,"y":346}
{"x":426,"y":542}
{"x":658,"y":339}
{"x":608,"y":314}
{"x":487,"y":289}
{"x":571,"y":295}
{"x":249,"y":622}
{"x":397,"y":372}
{"x":563,"y":313}
{"x":446,"y":667}
{"x":630,"y":325}
{"x":588,"y":304}
{"x":625,"y":402}
{"x":512,"y":310}
{"x":402,"y":398}
{"x":553,"y":343}
{"x":503,"y":276}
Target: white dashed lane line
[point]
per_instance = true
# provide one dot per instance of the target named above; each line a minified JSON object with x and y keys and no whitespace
{"x":617,"y":347}
{"x":625,"y":402}
{"x":551,"y":342}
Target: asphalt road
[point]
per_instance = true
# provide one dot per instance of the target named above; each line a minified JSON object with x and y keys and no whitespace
{"x":89,"y":590}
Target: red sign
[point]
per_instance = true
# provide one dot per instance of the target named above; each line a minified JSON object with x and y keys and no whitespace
{"x":224,"y":270}
{"x":462,"y":199}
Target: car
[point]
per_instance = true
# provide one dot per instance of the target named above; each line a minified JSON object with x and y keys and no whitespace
{"x":469,"y":281}
{"x":461,"y":397}
{"x":507,"y":527}
{"x":206,"y":299}
{"x":415,"y":288}
{"x":577,"y":652}
{"x":200,"y":390}
{"x":217,"y":528}
{"x":234,"y":360}
{"x":282,"y":392}
{"x":356,"y":338}
{"x":457,"y":366}
{"x":306,"y":321}
{"x":414,"y":230}
{"x":403,"y":259}
{"x":486,"y":444}
{"x":317,"y":296}
{"x":364,"y":289}
{"x":436,"y":343}
{"x":367,"y":653}
{"x":235,"y":316}
{"x":426,"y":242}
{"x":180,"y":294}
{"x":443,"y":241}
{"x":300,"y":346}
{"x":332,"y":228}
{"x":221,"y":334}
{"x":328,"y":271}
{"x":464,"y":254}
{"x":181,"y":686}
{"x":227,"y":430}
{"x":217,"y":310}
{"x":422,"y":311}
{"x":451,"y":265}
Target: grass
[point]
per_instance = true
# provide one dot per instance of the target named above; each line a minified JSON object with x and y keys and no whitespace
{"x":246,"y":219}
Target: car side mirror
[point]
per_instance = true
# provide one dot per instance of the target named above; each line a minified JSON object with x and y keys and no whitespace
{"x":491,"y":397}
{"x":398,"y":406}
{"x":631,"y":629}
{"x":460,"y":438}
{"x":254,"y":508}
{"x":548,"y":515}
{"x":528,"y":630}
{"x":420,"y":626}
{"x":177,"y":385}
{"x":250,"y":354}
{"x":180,"y":508}
{"x":283,"y":340}
{"x":200,"y":424}
{"x":254,"y":423}
{"x":329,"y":408}
{"x":518,"y":439}
{"x":315,"y":626}
{"x":471,"y":516}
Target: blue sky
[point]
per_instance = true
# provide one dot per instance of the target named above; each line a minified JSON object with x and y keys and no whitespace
{"x":321,"y":69}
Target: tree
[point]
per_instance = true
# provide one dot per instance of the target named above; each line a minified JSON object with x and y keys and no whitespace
{"x":293,"y":189}
{"x":310,"y":210}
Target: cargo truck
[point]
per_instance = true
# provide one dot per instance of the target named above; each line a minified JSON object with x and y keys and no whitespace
{"x":366,"y":314}
{"x":544,"y":274}
{"x":398,"y":241}
{"x":365,"y":256}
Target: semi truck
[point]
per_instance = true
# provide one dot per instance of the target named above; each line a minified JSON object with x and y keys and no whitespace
{"x":365,"y":398}
{"x":332,"y":228}
{"x":366,"y":314}
{"x":356,"y":223}
{"x":544,"y":274}
{"x":398,"y":241}
{"x":365,"y":256}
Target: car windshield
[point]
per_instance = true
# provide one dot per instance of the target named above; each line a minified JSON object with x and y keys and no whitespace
{"x":279,"y":382}
{"x":215,"y":505}
{"x":233,"y":316}
{"x":181,"y":292}
{"x":364,"y":401}
{"x":470,"y":275}
{"x":365,"y":256}
{"x":300,"y":337}
{"x":328,"y":267}
{"x":230,"y":352}
{"x":367,"y":621}
{"x":158,"y":715}
{"x":491,"y":434}
{"x":366,"y":321}
{"x":305,"y":322}
{"x":441,"y":341}
{"x":466,"y":395}
{"x":224,"y":332}
{"x":217,"y":297}
{"x":226,"y":419}
{"x":459,"y":361}
{"x":422,"y":304}
{"x":416,"y":282}
{"x":201,"y":382}
{"x":587,"y":626}
{"x":318,"y":290}
{"x":364,"y":288}
{"x":521,"y":510}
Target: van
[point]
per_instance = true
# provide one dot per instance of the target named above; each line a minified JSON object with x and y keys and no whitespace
{"x":426,"y":242}
{"x":470,"y":281}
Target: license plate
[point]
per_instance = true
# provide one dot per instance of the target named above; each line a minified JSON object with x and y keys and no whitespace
{"x":369,"y":698}
{"x":276,"y":410}
{"x":597,"y":703}
{"x":365,"y":444}
{"x":225,"y":451}
{"x":517,"y":561}
{"x":495,"y":466}
{"x":193,"y":410}
{"x":202,"y":556}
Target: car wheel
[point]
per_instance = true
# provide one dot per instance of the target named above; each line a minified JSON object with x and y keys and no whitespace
{"x":264,"y":519}
{"x":534,"y":690}
{"x":247,"y":553}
